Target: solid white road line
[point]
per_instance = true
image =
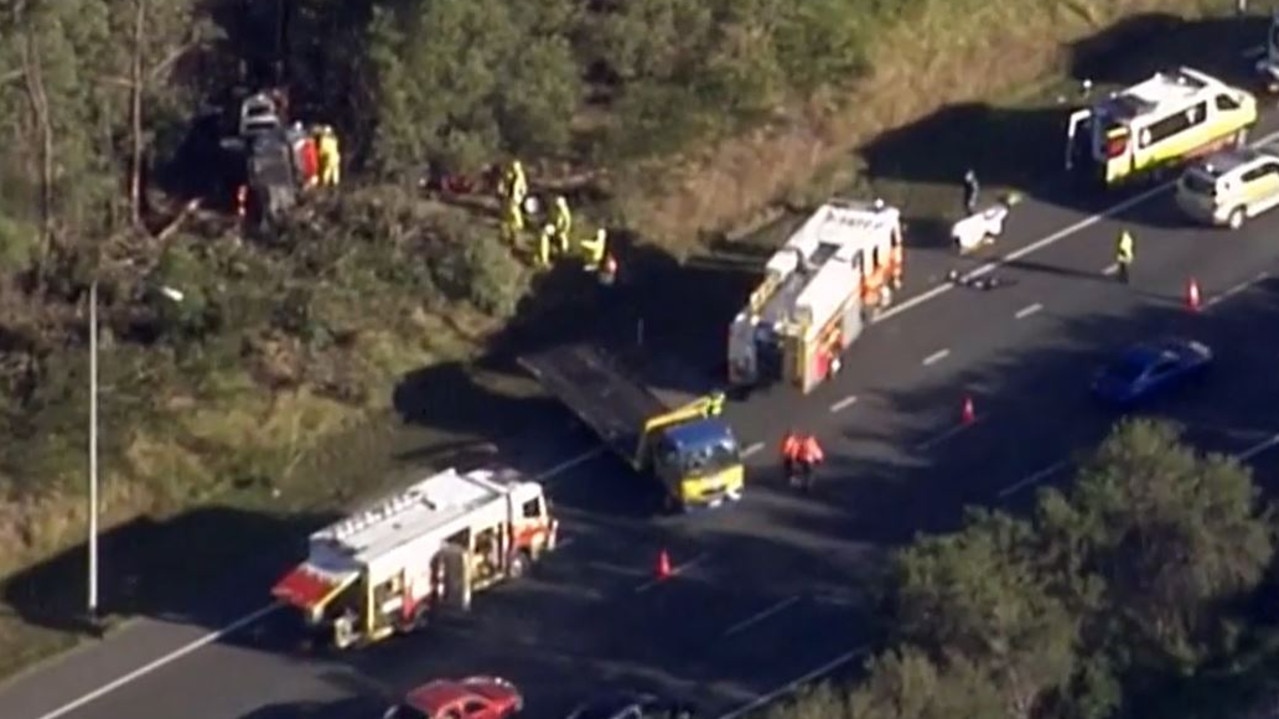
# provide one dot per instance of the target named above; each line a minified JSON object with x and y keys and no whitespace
{"x":753,"y":449}
{"x":909,"y":304}
{"x":1255,"y":450}
{"x":1028,"y":310}
{"x":791,"y":686}
{"x":163,"y":661}
{"x":675,"y":572}
{"x":843,"y":404}
{"x":1110,"y":269}
{"x":1034,"y":479}
{"x":936,"y":357}
{"x":962,"y":426}
{"x":758,"y":617}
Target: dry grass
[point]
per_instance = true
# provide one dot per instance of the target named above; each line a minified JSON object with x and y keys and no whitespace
{"x":950,"y":56}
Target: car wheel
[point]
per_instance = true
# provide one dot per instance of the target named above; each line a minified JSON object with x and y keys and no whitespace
{"x":1236,"y":219}
{"x":520,"y":564}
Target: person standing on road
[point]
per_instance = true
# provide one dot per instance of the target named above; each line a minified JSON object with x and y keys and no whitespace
{"x":791,"y":445}
{"x":1124,"y":256}
{"x":971,"y":190}
{"x":810,"y":455}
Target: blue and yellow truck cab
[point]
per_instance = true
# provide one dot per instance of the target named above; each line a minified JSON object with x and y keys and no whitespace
{"x":688,"y":449}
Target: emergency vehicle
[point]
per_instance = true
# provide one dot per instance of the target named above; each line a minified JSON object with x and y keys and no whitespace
{"x":388,"y":568}
{"x":831,"y":276}
{"x":1155,"y":125}
{"x":693,"y":455}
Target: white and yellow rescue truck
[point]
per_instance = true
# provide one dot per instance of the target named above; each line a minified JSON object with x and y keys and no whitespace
{"x":830,"y":278}
{"x":1268,"y":65}
{"x":388,"y":568}
{"x":1156,"y":125}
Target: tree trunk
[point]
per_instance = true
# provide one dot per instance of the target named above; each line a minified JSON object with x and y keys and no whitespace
{"x":136,"y":86}
{"x":39,"y":101}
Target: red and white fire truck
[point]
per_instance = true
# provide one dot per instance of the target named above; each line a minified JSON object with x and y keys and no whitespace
{"x":833,"y":274}
{"x":388,"y":568}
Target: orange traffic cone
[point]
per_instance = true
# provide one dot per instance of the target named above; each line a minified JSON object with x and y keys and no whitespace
{"x":664,"y":565}
{"x":1192,"y":295}
{"x":967,"y":414}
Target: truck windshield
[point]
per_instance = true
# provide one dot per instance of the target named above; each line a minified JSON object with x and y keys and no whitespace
{"x":705,"y":460}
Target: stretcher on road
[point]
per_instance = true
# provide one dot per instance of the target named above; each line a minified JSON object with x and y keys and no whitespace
{"x":695,"y":457}
{"x":982,"y":228}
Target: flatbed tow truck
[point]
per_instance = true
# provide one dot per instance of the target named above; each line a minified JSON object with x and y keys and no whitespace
{"x":693,"y":455}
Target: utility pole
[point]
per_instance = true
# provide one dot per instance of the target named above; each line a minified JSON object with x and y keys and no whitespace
{"x":93,"y":453}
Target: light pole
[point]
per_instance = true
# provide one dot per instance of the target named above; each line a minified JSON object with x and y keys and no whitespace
{"x":93,"y":452}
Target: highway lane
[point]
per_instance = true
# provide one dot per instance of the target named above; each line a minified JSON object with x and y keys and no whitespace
{"x":888,"y":432}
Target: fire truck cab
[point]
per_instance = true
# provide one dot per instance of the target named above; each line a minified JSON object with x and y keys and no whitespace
{"x":831,"y":276}
{"x":388,"y":568}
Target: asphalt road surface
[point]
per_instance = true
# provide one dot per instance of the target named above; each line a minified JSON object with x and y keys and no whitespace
{"x":769,"y":592}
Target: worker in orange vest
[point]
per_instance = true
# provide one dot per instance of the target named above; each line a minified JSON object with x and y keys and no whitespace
{"x":810,"y":455}
{"x":791,"y":444}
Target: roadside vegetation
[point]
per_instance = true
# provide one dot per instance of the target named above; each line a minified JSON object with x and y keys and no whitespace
{"x":1146,"y":589}
{"x":231,"y":364}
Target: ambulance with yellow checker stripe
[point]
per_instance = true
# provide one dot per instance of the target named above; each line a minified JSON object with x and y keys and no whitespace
{"x":1157,"y":125}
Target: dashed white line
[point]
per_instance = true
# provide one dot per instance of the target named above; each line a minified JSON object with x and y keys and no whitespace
{"x":791,"y":686}
{"x":752,"y":449}
{"x":1254,"y":51}
{"x":930,"y":443}
{"x":1034,"y":479}
{"x":1028,"y":310}
{"x":843,"y":404}
{"x":675,"y":572}
{"x":1111,"y":269}
{"x":760,"y":616}
{"x":568,"y":464}
{"x":936,"y":357}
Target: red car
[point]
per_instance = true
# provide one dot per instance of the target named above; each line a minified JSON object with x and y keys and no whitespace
{"x":470,"y":698}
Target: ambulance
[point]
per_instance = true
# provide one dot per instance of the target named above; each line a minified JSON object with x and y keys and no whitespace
{"x":390,"y":568}
{"x":834,"y":274}
{"x":1156,"y":125}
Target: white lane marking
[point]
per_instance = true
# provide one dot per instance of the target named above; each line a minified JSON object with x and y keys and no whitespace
{"x":563,"y":543}
{"x":936,"y":357}
{"x":675,"y":572}
{"x":844,"y":404}
{"x":1254,"y":51}
{"x":760,"y":616}
{"x":909,"y":304}
{"x":165,"y":660}
{"x":962,"y":426}
{"x":1255,"y":450}
{"x":794,"y":684}
{"x":1223,"y":296}
{"x":1028,"y":310}
{"x":616,"y":569}
{"x":753,"y":449}
{"x":1110,"y":269}
{"x":568,"y":464}
{"x":246,"y":620}
{"x":1034,"y":479}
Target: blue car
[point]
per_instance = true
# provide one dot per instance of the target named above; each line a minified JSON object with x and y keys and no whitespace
{"x":1149,"y":369}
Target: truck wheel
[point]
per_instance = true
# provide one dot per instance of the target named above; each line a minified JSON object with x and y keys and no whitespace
{"x":520,"y":564}
{"x":1236,"y":218}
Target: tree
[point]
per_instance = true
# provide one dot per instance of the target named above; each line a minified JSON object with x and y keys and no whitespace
{"x":905,"y":683}
{"x":979,"y":595}
{"x":1152,"y":538}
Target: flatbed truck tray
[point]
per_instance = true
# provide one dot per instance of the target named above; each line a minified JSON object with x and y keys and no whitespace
{"x":594,"y":386}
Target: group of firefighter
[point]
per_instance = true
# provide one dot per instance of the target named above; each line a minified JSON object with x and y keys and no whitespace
{"x":555,"y":238}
